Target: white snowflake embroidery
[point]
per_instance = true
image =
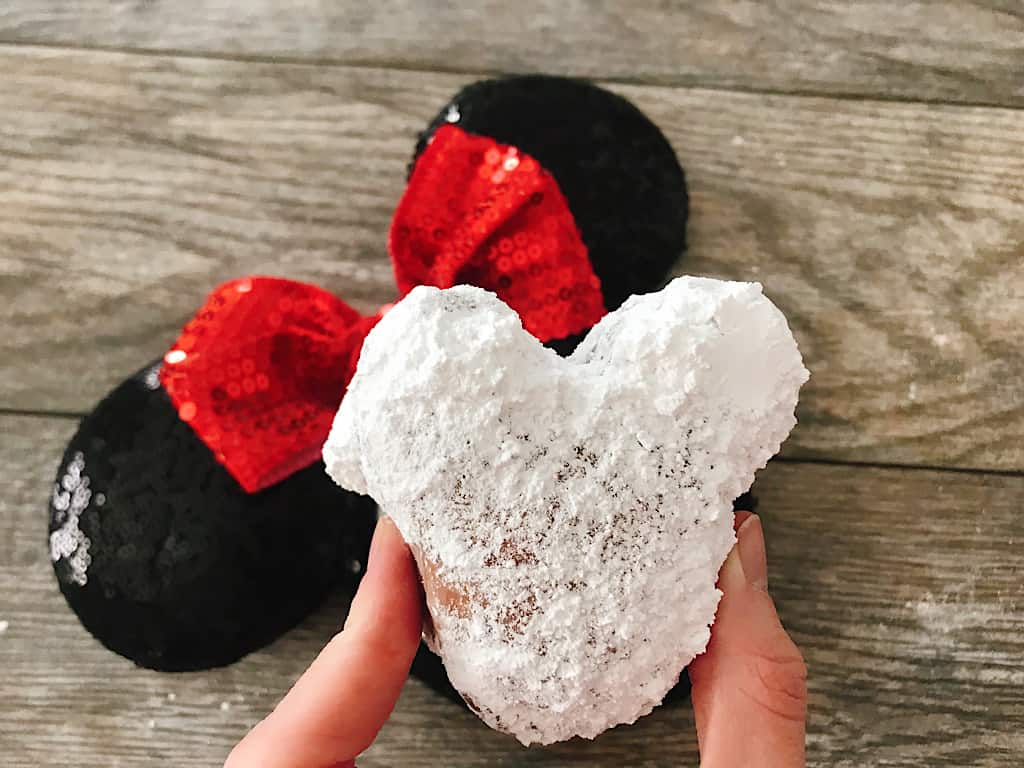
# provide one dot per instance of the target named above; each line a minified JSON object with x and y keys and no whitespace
{"x":71,"y":496}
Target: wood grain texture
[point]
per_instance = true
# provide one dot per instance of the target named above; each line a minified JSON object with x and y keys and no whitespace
{"x":892,"y":235}
{"x":947,"y":50}
{"x":904,"y":588}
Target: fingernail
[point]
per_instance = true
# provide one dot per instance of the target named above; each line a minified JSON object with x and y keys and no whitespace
{"x":732,"y":577}
{"x":739,"y":518}
{"x":752,"y":554}
{"x":385,"y":527}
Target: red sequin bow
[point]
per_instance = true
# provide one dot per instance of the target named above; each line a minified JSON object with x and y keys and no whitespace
{"x":261,"y":369}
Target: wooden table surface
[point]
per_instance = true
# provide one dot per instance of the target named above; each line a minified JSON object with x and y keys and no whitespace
{"x":863,"y":160}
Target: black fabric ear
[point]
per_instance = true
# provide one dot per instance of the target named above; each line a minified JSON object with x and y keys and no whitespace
{"x":618,"y":172}
{"x":163,"y":556}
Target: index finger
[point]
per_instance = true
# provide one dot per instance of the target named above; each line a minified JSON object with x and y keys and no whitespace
{"x":339,"y":704}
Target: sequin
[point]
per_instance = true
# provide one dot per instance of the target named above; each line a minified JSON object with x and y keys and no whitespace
{"x":175,"y":543}
{"x":270,"y":362}
{"x":151,"y":379}
{"x":494,"y":200}
{"x":620,"y":176}
{"x":70,"y":499}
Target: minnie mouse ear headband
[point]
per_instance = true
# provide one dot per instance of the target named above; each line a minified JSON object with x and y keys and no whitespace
{"x":192,"y":522}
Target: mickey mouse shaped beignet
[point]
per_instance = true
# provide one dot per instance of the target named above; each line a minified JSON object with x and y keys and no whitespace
{"x":568,"y":515}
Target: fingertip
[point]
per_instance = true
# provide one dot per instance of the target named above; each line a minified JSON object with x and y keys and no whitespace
{"x":751,"y":671}
{"x":386,"y":527}
{"x":387,"y":549}
{"x":751,"y":547}
{"x":389,"y":605}
{"x":731,"y":577}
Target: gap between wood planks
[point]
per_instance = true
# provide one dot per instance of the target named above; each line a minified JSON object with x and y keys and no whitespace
{"x":73,"y":416}
{"x":484,"y":72}
{"x":880,"y":227}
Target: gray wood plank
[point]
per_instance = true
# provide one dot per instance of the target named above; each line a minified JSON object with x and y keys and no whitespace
{"x":892,"y":235}
{"x":947,"y":50}
{"x":904,"y":589}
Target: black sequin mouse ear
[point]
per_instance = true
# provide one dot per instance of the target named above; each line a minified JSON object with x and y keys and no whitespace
{"x":620,"y":176}
{"x":167,"y":560}
{"x":192,"y":520}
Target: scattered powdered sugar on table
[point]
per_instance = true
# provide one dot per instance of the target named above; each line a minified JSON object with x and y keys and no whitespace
{"x":569,"y":515}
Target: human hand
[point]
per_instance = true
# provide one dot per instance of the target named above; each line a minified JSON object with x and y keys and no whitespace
{"x":749,"y":687}
{"x":340,"y":703}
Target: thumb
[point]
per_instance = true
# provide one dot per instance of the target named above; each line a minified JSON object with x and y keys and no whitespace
{"x":750,"y":686}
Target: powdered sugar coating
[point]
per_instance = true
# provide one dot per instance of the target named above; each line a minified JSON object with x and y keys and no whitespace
{"x":577,"y":509}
